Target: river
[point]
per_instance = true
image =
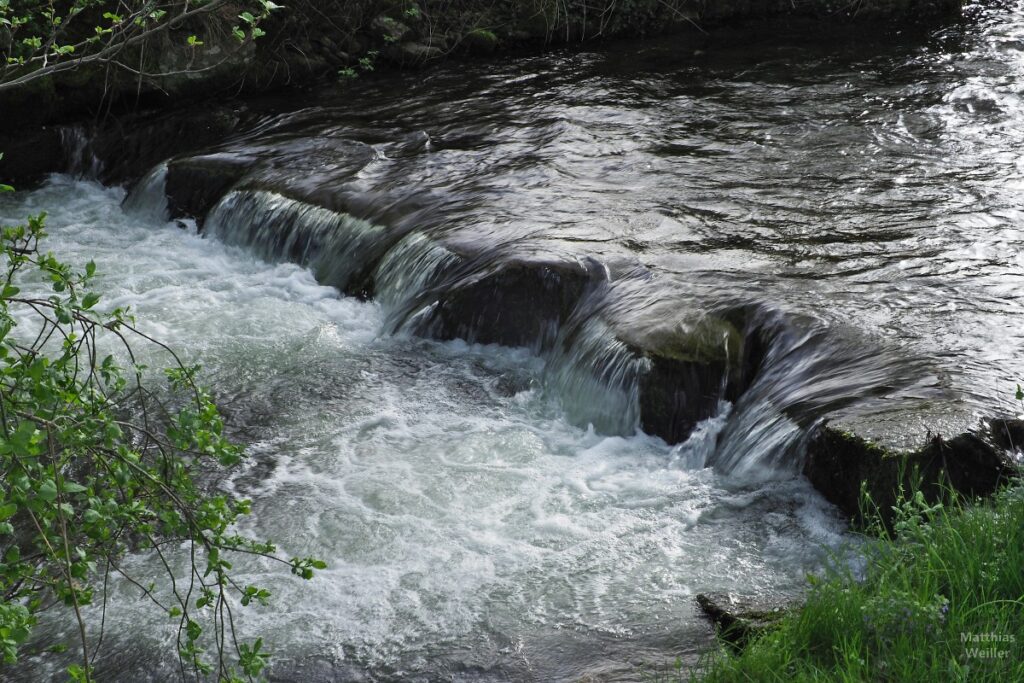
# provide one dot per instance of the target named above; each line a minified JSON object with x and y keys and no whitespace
{"x":487,"y":513}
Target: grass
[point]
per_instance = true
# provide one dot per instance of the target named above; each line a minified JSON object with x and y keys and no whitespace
{"x":939,"y":598}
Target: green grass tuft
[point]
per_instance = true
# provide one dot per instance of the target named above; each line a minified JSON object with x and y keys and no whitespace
{"x":939,"y":598}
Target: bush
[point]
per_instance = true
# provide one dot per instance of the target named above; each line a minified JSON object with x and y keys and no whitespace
{"x":96,"y":463}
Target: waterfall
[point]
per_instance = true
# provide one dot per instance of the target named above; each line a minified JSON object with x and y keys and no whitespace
{"x":601,"y":378}
{"x":597,"y":378}
{"x":334,"y":245}
{"x":595,"y":375}
{"x":148,"y":198}
{"x":411,"y":267}
{"x":82,"y":160}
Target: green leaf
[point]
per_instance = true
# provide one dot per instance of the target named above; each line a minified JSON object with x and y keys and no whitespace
{"x":47,"y":491}
{"x":7,"y":510}
{"x":90,"y":300}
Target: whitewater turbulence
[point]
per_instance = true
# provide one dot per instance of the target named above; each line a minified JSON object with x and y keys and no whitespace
{"x":469,"y":522}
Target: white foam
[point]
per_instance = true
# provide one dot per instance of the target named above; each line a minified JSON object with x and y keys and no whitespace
{"x":446,"y":507}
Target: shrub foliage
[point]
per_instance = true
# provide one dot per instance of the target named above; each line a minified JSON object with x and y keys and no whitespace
{"x":98,"y":461}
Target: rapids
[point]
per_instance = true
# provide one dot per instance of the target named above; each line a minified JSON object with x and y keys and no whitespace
{"x":495,"y":513}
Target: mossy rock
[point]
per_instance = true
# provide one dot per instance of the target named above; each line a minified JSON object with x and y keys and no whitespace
{"x":693,"y":364}
{"x":738,"y":621}
{"x":843,"y":465}
{"x":480,"y":41}
{"x":708,"y":339}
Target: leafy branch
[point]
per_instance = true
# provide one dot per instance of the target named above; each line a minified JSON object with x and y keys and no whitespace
{"x":96,"y":463}
{"x":40,"y":39}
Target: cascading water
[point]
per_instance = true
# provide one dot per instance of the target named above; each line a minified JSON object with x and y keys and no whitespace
{"x":81,"y":160}
{"x":411,"y":266}
{"x":492,"y":513}
{"x":468,"y":524}
{"x":149,"y":196}
{"x":595,"y":375}
{"x":278,"y":228}
{"x":597,"y":378}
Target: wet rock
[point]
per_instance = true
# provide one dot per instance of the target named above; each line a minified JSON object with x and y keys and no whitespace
{"x":128,"y":147}
{"x":739,"y":620}
{"x":308,"y":168}
{"x":413,"y":54}
{"x":693,"y":360}
{"x":1008,"y":433}
{"x":693,"y":366}
{"x":518,"y":302}
{"x":479,"y":41}
{"x":851,"y":454}
{"x":196,"y":184}
{"x":30,"y":155}
{"x":682,"y":368}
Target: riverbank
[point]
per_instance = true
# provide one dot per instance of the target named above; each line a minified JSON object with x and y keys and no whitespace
{"x":307,"y":48}
{"x":937,"y":599}
{"x":199,"y":60}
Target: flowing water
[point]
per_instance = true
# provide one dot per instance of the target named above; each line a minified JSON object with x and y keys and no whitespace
{"x":493,"y":513}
